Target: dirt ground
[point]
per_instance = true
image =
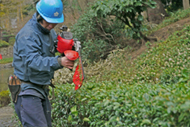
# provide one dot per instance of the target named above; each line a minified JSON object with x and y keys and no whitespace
{"x":163,"y":34}
{"x":7,"y":112}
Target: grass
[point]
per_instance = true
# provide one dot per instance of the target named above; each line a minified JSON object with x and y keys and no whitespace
{"x":6,"y":60}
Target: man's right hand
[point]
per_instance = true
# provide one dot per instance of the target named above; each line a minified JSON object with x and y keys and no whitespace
{"x":67,"y":63}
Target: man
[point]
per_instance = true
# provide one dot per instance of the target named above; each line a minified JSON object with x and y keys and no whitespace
{"x":34,"y":63}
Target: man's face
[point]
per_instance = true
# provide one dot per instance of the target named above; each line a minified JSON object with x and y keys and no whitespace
{"x":47,"y":25}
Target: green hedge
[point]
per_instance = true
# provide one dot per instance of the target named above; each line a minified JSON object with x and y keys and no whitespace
{"x":116,"y":104}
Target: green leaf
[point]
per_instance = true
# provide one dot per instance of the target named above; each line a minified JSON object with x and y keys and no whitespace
{"x":84,"y":99}
{"x":185,"y":73}
{"x":182,"y":115}
{"x":146,"y":121}
{"x":70,"y":118}
{"x":106,"y":102}
{"x":86,"y":119}
{"x":185,"y":106}
{"x":138,"y":4}
{"x":74,"y":110}
{"x":140,"y":18}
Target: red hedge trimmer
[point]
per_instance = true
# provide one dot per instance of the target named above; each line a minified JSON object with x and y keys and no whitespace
{"x":71,"y":48}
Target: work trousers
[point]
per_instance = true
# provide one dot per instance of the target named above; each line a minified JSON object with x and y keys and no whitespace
{"x":33,"y":111}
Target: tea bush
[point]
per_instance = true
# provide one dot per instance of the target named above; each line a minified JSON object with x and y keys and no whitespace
{"x":151,"y":90}
{"x":117,"y":104}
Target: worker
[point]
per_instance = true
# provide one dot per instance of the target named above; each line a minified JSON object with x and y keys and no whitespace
{"x":34,"y":63}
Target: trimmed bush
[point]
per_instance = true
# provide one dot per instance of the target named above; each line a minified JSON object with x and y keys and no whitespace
{"x":115,"y":104}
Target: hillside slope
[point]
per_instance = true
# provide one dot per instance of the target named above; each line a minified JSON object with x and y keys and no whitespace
{"x":133,"y":87}
{"x":161,"y":35}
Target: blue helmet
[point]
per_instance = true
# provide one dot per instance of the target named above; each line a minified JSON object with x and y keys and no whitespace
{"x":51,"y":10}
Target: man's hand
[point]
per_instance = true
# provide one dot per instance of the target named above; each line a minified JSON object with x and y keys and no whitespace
{"x":67,"y":63}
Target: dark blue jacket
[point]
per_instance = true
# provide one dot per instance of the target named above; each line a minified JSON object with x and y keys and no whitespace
{"x":32,"y":60}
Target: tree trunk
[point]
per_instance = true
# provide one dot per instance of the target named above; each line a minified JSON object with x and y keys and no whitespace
{"x":185,"y":4}
{"x":157,"y":14}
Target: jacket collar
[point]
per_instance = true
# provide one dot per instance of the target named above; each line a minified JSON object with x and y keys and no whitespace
{"x":41,"y":29}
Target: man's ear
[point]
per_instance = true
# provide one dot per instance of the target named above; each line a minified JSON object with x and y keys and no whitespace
{"x":42,"y":21}
{"x":39,"y":18}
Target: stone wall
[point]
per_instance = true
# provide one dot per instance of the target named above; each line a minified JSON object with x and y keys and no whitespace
{"x":6,"y":52}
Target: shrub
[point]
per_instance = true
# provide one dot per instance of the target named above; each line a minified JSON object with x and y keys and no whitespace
{"x":4,"y":98}
{"x":108,"y":104}
{"x":97,"y":35}
{"x":3,"y":44}
{"x":11,"y":40}
{"x":128,"y":12}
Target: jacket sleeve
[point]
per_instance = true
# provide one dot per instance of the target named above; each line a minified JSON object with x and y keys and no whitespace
{"x":31,"y":49}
